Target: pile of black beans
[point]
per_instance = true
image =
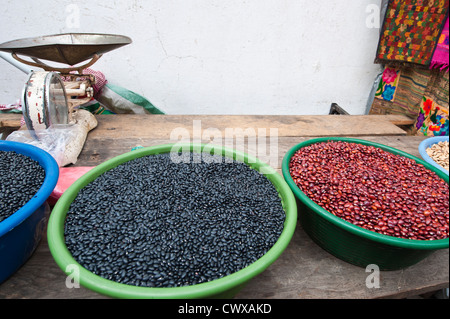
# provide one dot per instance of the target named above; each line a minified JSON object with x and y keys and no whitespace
{"x":153,"y":222}
{"x":20,"y":179}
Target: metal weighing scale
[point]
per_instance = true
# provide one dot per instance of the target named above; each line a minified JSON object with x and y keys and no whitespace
{"x":50,"y":96}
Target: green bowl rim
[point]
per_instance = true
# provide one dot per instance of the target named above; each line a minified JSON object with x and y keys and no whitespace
{"x":64,"y":259}
{"x":356,"y":230}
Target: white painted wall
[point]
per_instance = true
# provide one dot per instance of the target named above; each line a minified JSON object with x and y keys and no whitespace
{"x":217,"y":56}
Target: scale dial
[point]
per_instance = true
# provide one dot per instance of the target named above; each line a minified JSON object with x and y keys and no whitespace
{"x":56,"y":100}
{"x":44,"y":101}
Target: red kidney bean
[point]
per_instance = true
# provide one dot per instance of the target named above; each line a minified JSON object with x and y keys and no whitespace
{"x":374,"y":189}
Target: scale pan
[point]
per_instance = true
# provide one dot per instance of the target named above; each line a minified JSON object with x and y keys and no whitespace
{"x":67,"y":48}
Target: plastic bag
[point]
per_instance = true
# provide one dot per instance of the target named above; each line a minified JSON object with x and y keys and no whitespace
{"x":53,"y":140}
{"x":122,"y":101}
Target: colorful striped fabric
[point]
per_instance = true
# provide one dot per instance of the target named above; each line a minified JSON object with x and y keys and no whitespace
{"x":411,"y":30}
{"x":422,"y":95}
{"x":441,"y":55}
{"x":410,"y":89}
{"x":433,"y":118}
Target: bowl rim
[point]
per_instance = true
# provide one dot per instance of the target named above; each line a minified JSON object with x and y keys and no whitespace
{"x":347,"y":226}
{"x":51,"y":168}
{"x":64,"y":259}
{"x":427,"y":143}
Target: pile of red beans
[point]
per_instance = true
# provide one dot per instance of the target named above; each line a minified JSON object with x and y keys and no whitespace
{"x":374,"y":189}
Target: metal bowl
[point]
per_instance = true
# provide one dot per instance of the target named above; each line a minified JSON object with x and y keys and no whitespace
{"x":67,"y":48}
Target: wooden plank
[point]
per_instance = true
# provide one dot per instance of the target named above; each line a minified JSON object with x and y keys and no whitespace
{"x":10,"y":120}
{"x":306,"y":271}
{"x":41,"y":278}
{"x":303,"y":271}
{"x":162,"y":126}
{"x":198,"y":126}
{"x":400,"y":120}
{"x":94,"y":152}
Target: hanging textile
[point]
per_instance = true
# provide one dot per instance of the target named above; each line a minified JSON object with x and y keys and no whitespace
{"x":411,"y":31}
{"x":433,"y":118}
{"x":411,"y":87}
{"x":422,"y":95}
{"x":441,"y":54}
{"x":388,"y":84}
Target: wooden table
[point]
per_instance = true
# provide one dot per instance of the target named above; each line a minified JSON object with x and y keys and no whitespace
{"x":304,"y":270}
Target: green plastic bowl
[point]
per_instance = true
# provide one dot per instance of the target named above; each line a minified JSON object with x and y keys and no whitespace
{"x":225,"y":287}
{"x":352,"y":243}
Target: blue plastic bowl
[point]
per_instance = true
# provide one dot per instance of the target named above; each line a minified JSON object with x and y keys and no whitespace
{"x":428,"y":143}
{"x":21,"y":232}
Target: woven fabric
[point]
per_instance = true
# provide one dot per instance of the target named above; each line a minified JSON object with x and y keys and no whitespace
{"x":432,"y":119}
{"x":99,"y":83}
{"x":388,"y":84}
{"x":411,"y":87}
{"x":441,"y":54}
{"x":422,"y":95}
{"x":410,"y":32}
{"x":100,"y":80}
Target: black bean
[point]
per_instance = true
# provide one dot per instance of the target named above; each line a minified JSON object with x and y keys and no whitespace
{"x":20,"y":179}
{"x":173,"y":224}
